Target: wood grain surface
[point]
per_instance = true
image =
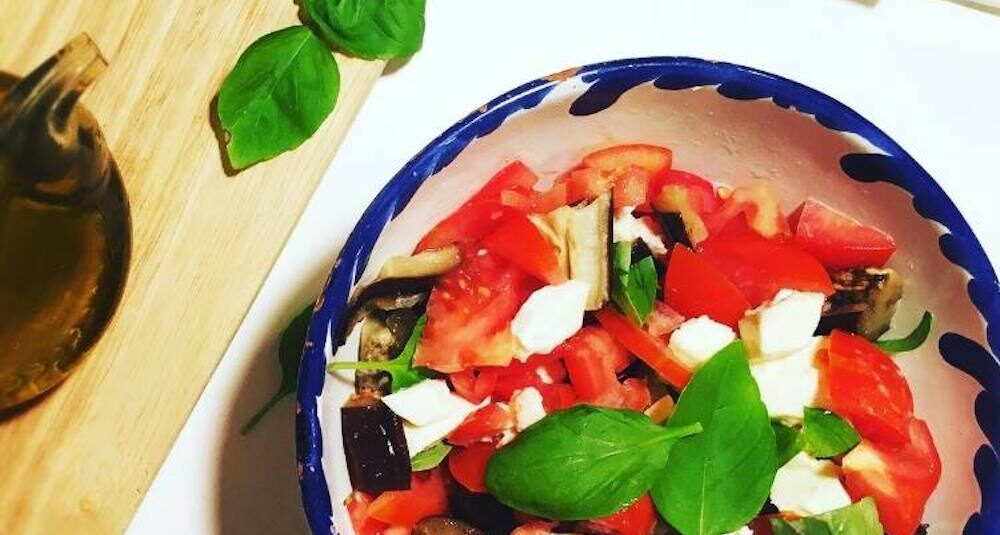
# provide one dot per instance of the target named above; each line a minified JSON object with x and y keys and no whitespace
{"x":83,"y":457}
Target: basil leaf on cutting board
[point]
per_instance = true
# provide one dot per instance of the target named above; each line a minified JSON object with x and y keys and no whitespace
{"x":282,"y":88}
{"x":825,"y":435}
{"x":718,"y":480}
{"x":911,"y":341}
{"x":860,"y":518}
{"x":400,"y":368}
{"x":789,"y":441}
{"x":370,"y":29}
{"x":430,"y":457}
{"x":289,"y":355}
{"x":634,"y":287}
{"x":581,"y":463}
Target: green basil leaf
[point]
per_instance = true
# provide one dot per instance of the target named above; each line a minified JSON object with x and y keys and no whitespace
{"x":913,"y":340}
{"x":289,"y":355}
{"x":825,"y":435}
{"x":400,"y":368}
{"x":718,"y":480}
{"x":368,"y":29}
{"x":281,"y":89}
{"x":635,"y":285}
{"x":583,"y":462}
{"x":789,"y":440}
{"x":860,"y":518}
{"x":430,"y":457}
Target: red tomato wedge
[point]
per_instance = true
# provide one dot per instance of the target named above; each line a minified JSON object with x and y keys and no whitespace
{"x":632,"y":188}
{"x":469,"y":313}
{"x":636,"y":395}
{"x":427,"y":497}
{"x":535,"y":528}
{"x":478,"y":216}
{"x":703,"y":191}
{"x":625,"y":168}
{"x":474,"y":385}
{"x":867,"y":388}
{"x":539,"y":370}
{"x":757,"y":205}
{"x":650,"y":349}
{"x":899,"y":479}
{"x":531,"y":201}
{"x":358,"y":504}
{"x":663,"y":320}
{"x":484,"y":425}
{"x":620,"y":158}
{"x":636,"y":519}
{"x":557,"y":397}
{"x":591,"y":357}
{"x":468,"y":465}
{"x":520,"y":242}
{"x":760,"y":267}
{"x":693,"y":288}
{"x":838,"y":240}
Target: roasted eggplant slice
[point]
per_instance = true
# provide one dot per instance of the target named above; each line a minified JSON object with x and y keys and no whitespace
{"x":481,"y":510}
{"x":673,"y":226}
{"x":864,"y":299}
{"x":442,"y":525}
{"x":429,"y":263}
{"x":383,"y":336}
{"x":374,"y":445}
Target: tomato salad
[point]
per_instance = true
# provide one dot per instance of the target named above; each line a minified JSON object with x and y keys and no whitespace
{"x":635,"y":350}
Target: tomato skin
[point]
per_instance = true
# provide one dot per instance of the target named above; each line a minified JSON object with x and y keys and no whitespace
{"x":468,"y":465}
{"x":535,"y":528}
{"x":620,"y":158}
{"x":358,"y":504}
{"x":651,"y":350}
{"x":427,"y":497}
{"x":520,"y":242}
{"x":757,"y":205}
{"x":557,"y":397}
{"x":483,"y":425}
{"x":479,"y":215}
{"x":474,"y":385}
{"x":519,"y":375}
{"x":703,"y":192}
{"x":760,"y":267}
{"x":632,"y":189}
{"x":636,"y":395}
{"x":867,"y":388}
{"x":693,"y":287}
{"x":663,"y":320}
{"x":901,"y":480}
{"x":838,"y":240}
{"x":636,"y":519}
{"x":591,"y":366}
{"x":469,"y":313}
{"x":623,"y":168}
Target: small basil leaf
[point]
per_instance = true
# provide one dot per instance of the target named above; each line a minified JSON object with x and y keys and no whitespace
{"x":400,"y":368}
{"x":583,"y":462}
{"x":860,"y":518}
{"x":718,"y":480}
{"x":289,"y":355}
{"x":369,"y":29}
{"x":282,"y":88}
{"x":789,"y":440}
{"x":825,"y":435}
{"x":913,"y":340}
{"x":635,"y":285}
{"x":430,"y":457}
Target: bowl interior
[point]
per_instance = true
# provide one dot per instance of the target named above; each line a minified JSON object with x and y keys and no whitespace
{"x":729,"y":133}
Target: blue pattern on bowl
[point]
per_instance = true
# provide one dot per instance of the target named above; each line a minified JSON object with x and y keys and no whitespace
{"x":608,"y":81}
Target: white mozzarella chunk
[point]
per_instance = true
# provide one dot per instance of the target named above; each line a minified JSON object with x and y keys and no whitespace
{"x":627,"y":227}
{"x":421,"y":437}
{"x":807,"y":486}
{"x":699,"y":339}
{"x":783,"y":325}
{"x":528,"y":407}
{"x":550,"y":316}
{"x":789,"y":384}
{"x":426,"y":402}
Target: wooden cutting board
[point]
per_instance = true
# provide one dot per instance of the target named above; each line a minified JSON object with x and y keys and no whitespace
{"x":82,"y":459}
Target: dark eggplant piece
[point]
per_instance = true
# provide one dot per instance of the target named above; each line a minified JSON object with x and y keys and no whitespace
{"x":673,"y":226}
{"x":481,"y":510}
{"x":374,"y":445}
{"x":870,"y":293}
{"x":383,"y":335}
{"x":442,"y":525}
{"x":847,"y":321}
{"x":677,"y":200}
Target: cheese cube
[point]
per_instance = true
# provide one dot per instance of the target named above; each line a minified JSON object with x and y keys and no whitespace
{"x":699,"y":339}
{"x":807,"y":486}
{"x":789,"y":384}
{"x":782,"y":326}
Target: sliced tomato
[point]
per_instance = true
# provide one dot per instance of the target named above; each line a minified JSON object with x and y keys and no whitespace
{"x":358,"y":504}
{"x":468,"y":465}
{"x":703,"y":192}
{"x":535,"y":528}
{"x":620,"y":158}
{"x":632,"y":188}
{"x":663,"y":320}
{"x":636,"y":395}
{"x":484,"y":425}
{"x":838,"y":240}
{"x":590,"y":357}
{"x":867,"y":388}
{"x":532,"y":201}
{"x":623,"y":168}
{"x":693,"y":287}
{"x":557,"y":397}
{"x":475,"y":385}
{"x":758,"y":203}
{"x":900,"y":480}
{"x":426,"y":497}
{"x":469,"y":314}
{"x":650,"y":349}
{"x":537,"y":371}
{"x":636,"y":519}
{"x":520,"y":242}
{"x":760,"y":267}
{"x":479,"y":215}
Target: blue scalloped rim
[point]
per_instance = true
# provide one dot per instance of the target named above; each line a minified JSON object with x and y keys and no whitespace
{"x":608,"y":81}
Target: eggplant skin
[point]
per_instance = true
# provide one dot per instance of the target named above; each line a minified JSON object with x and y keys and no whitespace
{"x":442,"y":525}
{"x":374,"y":446}
{"x":864,"y":299}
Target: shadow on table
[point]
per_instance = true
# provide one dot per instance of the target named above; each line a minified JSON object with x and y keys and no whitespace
{"x":258,"y":489}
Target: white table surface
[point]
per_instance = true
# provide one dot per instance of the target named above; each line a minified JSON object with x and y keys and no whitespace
{"x":926,"y":71}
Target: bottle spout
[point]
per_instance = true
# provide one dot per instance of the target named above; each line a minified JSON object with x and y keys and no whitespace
{"x":57,"y":149}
